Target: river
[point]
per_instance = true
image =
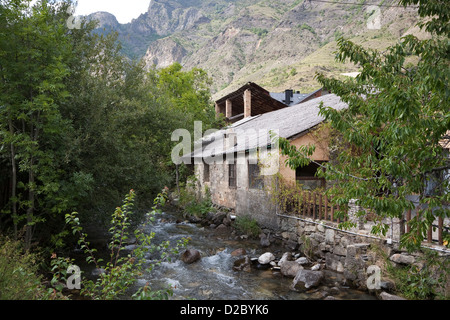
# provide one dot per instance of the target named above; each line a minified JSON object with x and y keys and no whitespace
{"x":213,"y":277}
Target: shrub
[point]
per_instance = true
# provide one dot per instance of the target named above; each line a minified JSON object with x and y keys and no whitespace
{"x":427,"y":280}
{"x":19,"y":279}
{"x":193,"y":206}
{"x":247,"y":225}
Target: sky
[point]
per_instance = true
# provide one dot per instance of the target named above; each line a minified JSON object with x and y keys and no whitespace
{"x":124,"y":10}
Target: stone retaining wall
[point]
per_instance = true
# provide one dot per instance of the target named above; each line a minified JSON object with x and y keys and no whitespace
{"x":348,"y":253}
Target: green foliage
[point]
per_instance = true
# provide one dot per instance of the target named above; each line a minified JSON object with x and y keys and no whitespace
{"x":390,"y":133}
{"x":122,"y":270}
{"x":259,"y":32}
{"x":247,"y":225}
{"x":305,"y":26}
{"x":195,"y":207}
{"x":18,"y":274}
{"x":424,"y":280}
{"x":34,"y":46}
{"x":80,"y":124}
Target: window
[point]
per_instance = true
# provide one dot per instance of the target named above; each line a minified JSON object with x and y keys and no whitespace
{"x":255,"y":180}
{"x":205,"y":172}
{"x":232,"y":175}
{"x":306,"y":176}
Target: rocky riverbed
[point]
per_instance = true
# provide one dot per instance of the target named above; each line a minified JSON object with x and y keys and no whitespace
{"x":221,"y":263}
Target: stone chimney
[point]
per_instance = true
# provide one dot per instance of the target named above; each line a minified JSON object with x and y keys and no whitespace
{"x":247,"y":103}
{"x":288,"y":95}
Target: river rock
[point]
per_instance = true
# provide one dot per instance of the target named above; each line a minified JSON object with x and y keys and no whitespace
{"x":302,"y":260}
{"x":190,"y":256}
{"x":387,"y":296}
{"x":221,"y":230}
{"x":243,"y":264}
{"x":266,"y":258}
{"x":265,"y":240}
{"x":286,"y":256}
{"x":227,"y":220}
{"x":308,"y":278}
{"x":218,"y":217}
{"x":238,"y":252}
{"x":402,"y":259}
{"x":290,"y":268}
{"x":316,"y":267}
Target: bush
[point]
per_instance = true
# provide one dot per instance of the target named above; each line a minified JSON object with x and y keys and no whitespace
{"x":427,"y":280}
{"x":247,"y":225}
{"x":19,"y":278}
{"x":194,"y":207}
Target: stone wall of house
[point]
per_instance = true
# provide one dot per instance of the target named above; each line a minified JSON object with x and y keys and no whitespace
{"x":221,"y":194}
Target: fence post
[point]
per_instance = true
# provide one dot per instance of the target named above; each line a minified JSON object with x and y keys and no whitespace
{"x":440,"y":228}
{"x":314,"y":204}
{"x":304,"y":203}
{"x":326,"y":207}
{"x":320,"y":206}
{"x":309,"y":204}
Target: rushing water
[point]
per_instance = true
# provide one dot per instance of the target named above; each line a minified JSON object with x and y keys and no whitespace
{"x":213,"y":276}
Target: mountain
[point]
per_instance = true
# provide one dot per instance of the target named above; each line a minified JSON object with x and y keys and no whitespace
{"x":278,"y":45}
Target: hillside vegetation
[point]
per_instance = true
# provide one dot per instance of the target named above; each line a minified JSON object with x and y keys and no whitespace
{"x":278,"y":44}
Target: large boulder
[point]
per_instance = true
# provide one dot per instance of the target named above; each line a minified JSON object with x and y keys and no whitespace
{"x":308,"y":278}
{"x":190,"y":256}
{"x":290,"y":268}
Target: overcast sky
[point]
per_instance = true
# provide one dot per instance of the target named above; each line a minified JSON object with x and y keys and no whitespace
{"x":124,"y":10}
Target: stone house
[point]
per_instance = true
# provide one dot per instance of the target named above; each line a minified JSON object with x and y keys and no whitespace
{"x":238,"y":163}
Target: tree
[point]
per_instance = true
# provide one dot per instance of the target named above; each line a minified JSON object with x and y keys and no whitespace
{"x":80,"y":124}
{"x":398,"y":113}
{"x":32,"y":72}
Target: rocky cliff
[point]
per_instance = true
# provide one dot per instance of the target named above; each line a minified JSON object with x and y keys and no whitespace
{"x":278,"y":44}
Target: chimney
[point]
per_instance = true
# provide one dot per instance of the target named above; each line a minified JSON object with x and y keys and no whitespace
{"x":288,"y":95}
{"x":228,"y":109}
{"x":247,"y":103}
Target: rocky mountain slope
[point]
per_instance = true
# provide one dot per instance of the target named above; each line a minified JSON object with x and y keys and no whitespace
{"x":278,"y":45}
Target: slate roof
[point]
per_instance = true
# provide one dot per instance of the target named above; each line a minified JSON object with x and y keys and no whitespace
{"x":254,"y":132}
{"x":296,"y":97}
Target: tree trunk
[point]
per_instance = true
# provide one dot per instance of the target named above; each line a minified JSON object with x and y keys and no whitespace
{"x":30,"y":210}
{"x":13,"y":181}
